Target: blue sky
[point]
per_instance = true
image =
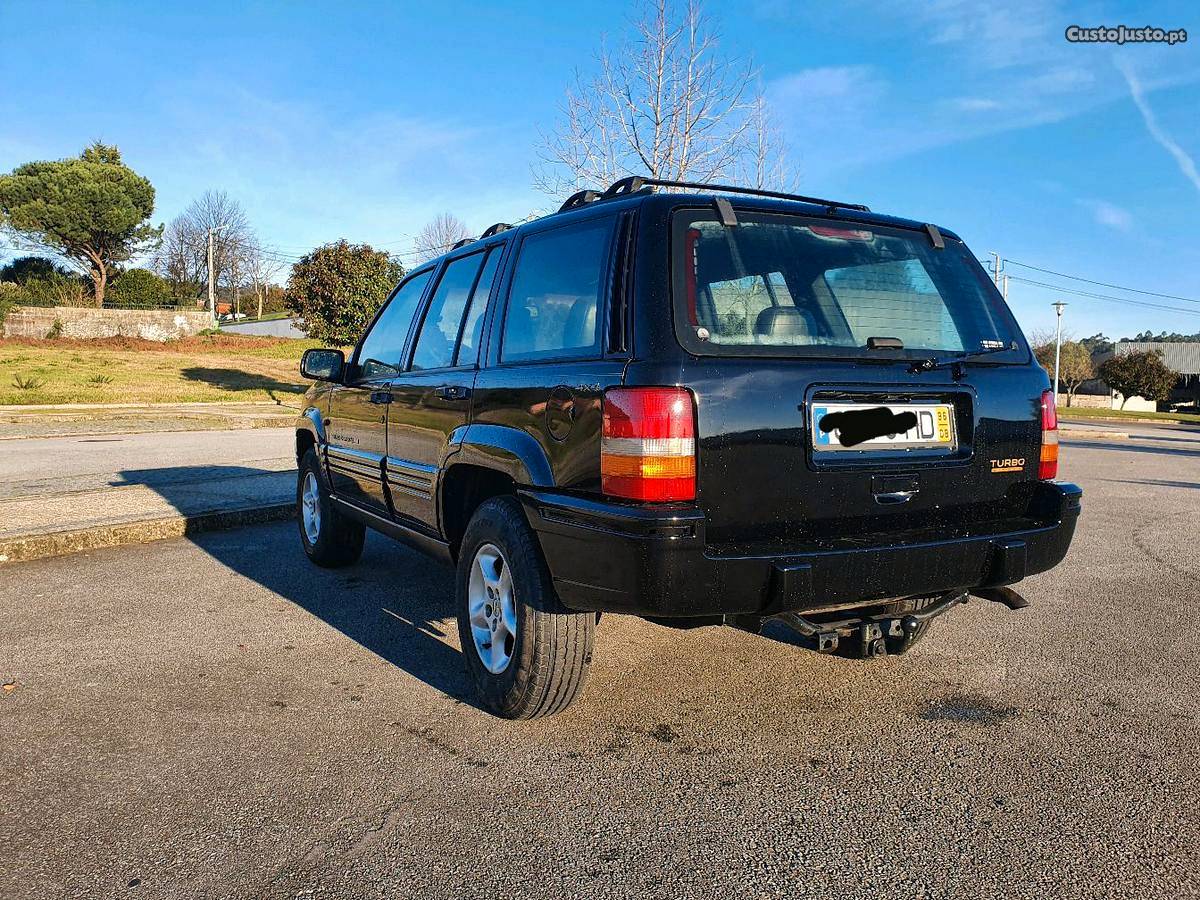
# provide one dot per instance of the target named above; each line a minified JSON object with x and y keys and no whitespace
{"x":363,"y":120}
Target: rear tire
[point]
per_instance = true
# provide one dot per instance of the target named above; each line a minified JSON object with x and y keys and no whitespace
{"x":526,"y":653}
{"x":330,"y":538}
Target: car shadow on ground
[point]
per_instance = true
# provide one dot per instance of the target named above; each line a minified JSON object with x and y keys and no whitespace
{"x":239,"y":380}
{"x":186,"y":486}
{"x":394,"y":602}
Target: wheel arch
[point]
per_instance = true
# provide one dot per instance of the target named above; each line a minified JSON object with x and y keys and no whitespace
{"x":464,"y":488}
{"x":310,"y":432}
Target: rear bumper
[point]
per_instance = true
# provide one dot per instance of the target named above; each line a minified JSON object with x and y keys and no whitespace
{"x":654,"y":562}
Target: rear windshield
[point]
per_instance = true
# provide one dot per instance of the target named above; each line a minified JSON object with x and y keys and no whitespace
{"x":786,"y":285}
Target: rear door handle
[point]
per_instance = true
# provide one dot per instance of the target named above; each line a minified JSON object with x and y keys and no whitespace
{"x":894,"y":497}
{"x":453,"y":392}
{"x":381,"y":397}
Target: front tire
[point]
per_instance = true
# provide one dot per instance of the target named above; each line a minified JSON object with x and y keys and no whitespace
{"x":330,"y":539}
{"x":526,"y":653}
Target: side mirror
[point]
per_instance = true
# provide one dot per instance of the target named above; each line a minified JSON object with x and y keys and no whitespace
{"x":323,"y":365}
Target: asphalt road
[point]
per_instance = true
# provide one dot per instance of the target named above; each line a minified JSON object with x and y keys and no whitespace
{"x":55,"y":465}
{"x":216,"y":718}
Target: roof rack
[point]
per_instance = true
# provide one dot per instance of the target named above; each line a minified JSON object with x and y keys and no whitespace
{"x":633,"y":183}
{"x":463,"y":243}
{"x":579,"y":198}
{"x":495,"y":229}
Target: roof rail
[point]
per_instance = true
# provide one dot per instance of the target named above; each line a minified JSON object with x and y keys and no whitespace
{"x":495,"y":229}
{"x":463,"y":243}
{"x":633,"y":183}
{"x":579,"y":198}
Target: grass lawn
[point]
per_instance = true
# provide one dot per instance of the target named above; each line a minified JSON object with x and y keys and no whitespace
{"x":217,"y":368}
{"x":1079,"y":412}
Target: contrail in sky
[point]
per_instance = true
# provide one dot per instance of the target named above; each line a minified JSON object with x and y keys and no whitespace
{"x":1187,"y":165}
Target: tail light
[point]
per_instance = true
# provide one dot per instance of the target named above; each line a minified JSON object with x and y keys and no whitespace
{"x":648,"y":448}
{"x":1048,"y":466}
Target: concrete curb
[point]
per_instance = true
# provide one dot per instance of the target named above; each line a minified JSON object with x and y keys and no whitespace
{"x":60,"y":543}
{"x":1091,"y":433}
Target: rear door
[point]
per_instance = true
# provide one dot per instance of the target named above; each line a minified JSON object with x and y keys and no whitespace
{"x":357,"y":421}
{"x":432,"y":399}
{"x":793,"y":319}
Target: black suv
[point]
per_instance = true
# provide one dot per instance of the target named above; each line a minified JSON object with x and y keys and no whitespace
{"x":703,"y":405}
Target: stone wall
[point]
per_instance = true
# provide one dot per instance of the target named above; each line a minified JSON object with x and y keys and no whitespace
{"x":1107,"y":401}
{"x":1087,"y":401}
{"x":82,"y":322}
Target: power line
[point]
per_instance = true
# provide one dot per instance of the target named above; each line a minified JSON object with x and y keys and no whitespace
{"x":1115,"y":287}
{"x":1106,"y":297}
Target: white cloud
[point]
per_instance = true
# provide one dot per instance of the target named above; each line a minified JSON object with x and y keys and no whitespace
{"x":1186,"y":164}
{"x":828,"y":83}
{"x":1109,"y":214}
{"x":975,"y":104}
{"x":993,"y":35}
{"x":974,"y":71}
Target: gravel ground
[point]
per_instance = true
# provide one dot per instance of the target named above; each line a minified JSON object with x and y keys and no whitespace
{"x":216,"y":718}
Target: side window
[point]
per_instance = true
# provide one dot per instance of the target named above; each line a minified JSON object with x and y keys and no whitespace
{"x":379,"y":355}
{"x":439,"y":331}
{"x":554,"y":303}
{"x":472,"y":333}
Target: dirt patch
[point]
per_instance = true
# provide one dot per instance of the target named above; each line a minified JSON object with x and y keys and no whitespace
{"x":968,"y":708}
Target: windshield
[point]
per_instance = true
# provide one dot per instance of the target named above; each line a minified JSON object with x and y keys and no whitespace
{"x":786,"y":285}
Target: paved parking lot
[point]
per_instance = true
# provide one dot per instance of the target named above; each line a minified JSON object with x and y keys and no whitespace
{"x":215,"y":718}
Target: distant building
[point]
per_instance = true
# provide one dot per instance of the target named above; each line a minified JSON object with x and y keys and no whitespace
{"x":1184,"y":358}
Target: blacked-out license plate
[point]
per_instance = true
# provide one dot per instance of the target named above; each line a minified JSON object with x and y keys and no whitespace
{"x":871,"y":426}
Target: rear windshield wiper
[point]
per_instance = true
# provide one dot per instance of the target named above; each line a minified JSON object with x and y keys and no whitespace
{"x":928,"y":365}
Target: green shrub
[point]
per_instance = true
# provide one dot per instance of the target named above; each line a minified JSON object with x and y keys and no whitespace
{"x":336,"y":289}
{"x":139,"y":289}
{"x":10,"y":296}
{"x":41,"y":282}
{"x":27,"y":383}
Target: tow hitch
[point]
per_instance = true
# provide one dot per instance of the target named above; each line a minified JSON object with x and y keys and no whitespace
{"x":869,"y":636}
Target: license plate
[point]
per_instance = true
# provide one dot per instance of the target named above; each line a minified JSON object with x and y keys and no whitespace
{"x":930,"y":425}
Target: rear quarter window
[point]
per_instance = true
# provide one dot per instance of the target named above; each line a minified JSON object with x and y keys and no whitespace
{"x":554,"y":305}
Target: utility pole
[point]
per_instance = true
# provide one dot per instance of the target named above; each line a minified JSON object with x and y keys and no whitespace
{"x":1058,"y":308}
{"x":212,"y":296}
{"x":1005,"y":291}
{"x":996,"y":268}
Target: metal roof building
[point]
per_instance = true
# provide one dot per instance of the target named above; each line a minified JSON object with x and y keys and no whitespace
{"x":1184,"y":358}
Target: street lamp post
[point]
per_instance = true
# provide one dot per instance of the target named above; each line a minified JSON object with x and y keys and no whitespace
{"x":212,"y":296}
{"x":1058,"y":308}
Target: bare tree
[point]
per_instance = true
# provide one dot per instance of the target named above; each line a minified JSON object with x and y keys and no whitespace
{"x":766,"y":164}
{"x":438,"y":236}
{"x":668,"y":105}
{"x":217,"y":211}
{"x":179,"y":258}
{"x":261,"y":267}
